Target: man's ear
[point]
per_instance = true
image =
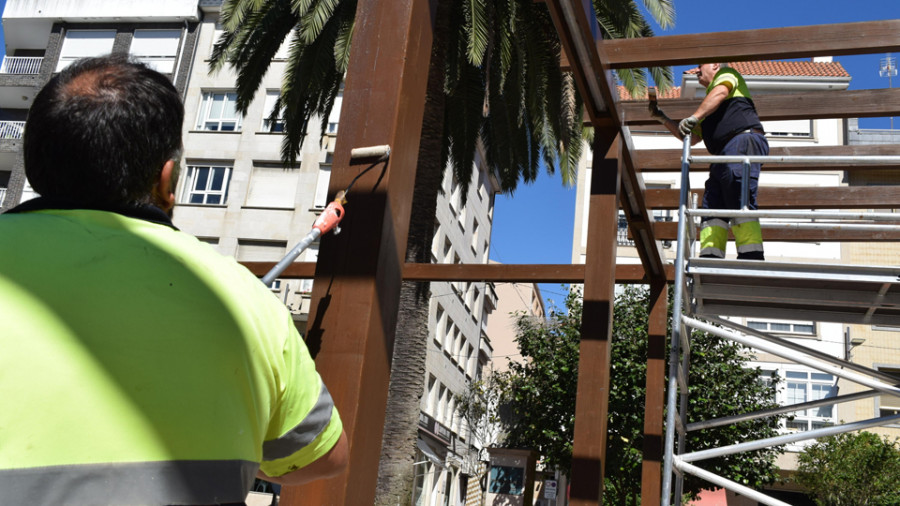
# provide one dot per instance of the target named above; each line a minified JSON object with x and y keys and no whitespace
{"x":164,"y":190}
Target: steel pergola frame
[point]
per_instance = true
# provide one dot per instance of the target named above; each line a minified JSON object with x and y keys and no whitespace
{"x":355,"y":297}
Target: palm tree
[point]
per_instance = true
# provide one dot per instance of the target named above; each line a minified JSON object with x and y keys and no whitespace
{"x":494,"y":78}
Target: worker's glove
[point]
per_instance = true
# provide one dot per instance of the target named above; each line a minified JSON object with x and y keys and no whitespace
{"x":657,"y":113}
{"x":687,"y":125}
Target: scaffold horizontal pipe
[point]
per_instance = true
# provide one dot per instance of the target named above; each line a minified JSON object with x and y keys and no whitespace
{"x":812,"y":160}
{"x":763,"y":413}
{"x":799,"y":215}
{"x":727,"y":484}
{"x":887,"y":378}
{"x":784,"y":439}
{"x":793,"y":355}
{"x":856,"y":227}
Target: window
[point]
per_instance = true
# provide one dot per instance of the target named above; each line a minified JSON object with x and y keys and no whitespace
{"x":431,"y":396}
{"x":84,"y":43}
{"x":253,"y":250}
{"x":272,"y":186}
{"x":888,"y":405}
{"x":800,"y":128}
{"x":335,"y":116}
{"x":206,"y":185}
{"x":321,"y":198}
{"x":783,"y":327}
{"x":156,"y":48}
{"x":269,"y":107}
{"x":4,"y":184}
{"x":442,"y":403}
{"x":218,"y":112}
{"x":806,"y":387}
{"x":440,"y":319}
{"x":622,"y":232}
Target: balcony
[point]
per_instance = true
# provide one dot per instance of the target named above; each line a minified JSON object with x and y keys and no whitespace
{"x":11,"y":129}
{"x":2,"y":195}
{"x":21,"y":65}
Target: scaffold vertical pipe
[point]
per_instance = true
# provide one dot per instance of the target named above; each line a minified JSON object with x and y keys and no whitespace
{"x":745,"y":184}
{"x":675,"y":340}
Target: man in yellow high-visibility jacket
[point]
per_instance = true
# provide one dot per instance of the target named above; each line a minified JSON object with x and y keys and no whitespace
{"x":137,"y":365}
{"x":727,"y":122}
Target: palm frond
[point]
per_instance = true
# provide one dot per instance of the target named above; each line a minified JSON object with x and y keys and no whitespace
{"x":476,"y":30}
{"x":663,"y":12}
{"x":314,"y":20}
{"x":462,"y":122}
{"x":311,"y":82}
{"x":342,"y":45}
{"x":250,"y":49}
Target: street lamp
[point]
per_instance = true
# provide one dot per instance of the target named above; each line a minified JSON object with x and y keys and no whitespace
{"x":888,"y":68}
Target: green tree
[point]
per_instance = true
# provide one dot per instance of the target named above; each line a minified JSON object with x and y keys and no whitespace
{"x":542,"y":393}
{"x":494,"y":78}
{"x":852,"y":469}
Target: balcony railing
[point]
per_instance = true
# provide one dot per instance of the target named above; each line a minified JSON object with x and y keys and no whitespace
{"x":11,"y":129}
{"x":21,"y":65}
{"x":2,"y":195}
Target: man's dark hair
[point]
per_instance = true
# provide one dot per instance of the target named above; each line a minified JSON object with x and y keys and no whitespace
{"x":100,"y":132}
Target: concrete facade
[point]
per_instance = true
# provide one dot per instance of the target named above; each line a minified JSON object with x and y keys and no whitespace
{"x":35,"y":32}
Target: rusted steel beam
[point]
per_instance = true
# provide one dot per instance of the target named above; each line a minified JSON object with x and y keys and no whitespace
{"x":637,"y":214}
{"x":654,"y":398}
{"x":578,"y":32}
{"x":867,"y":37}
{"x":668,"y":231}
{"x":507,"y":273}
{"x":356,"y":293}
{"x":592,"y":398}
{"x":812,"y":105}
{"x":297,"y":270}
{"x":533,"y":273}
{"x":831,"y":197}
{"x":576,"y":24}
{"x":669,"y":160}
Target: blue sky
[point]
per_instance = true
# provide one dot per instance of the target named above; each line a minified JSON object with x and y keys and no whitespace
{"x":535,"y":225}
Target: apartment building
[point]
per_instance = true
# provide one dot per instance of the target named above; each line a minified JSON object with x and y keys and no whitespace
{"x":459,"y":345}
{"x":43,"y":37}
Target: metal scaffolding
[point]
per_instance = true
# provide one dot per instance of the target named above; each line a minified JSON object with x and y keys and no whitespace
{"x":707,"y":290}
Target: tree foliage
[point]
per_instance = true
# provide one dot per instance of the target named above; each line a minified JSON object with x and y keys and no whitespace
{"x":542,"y":395}
{"x":852,"y":469}
{"x":503,"y":85}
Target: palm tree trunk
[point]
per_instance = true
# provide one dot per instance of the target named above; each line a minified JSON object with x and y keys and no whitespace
{"x":398,"y":450}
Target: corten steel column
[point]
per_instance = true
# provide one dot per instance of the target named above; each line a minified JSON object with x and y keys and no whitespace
{"x":592,"y":400}
{"x":358,"y":274}
{"x":651,"y":468}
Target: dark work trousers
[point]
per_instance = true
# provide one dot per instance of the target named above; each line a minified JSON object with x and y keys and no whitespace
{"x":723,"y":191}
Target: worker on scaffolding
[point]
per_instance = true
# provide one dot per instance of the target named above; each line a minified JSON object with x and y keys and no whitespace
{"x":137,"y":365}
{"x":727,"y":122}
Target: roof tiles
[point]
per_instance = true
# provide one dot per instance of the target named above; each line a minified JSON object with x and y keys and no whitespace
{"x":761,"y":68}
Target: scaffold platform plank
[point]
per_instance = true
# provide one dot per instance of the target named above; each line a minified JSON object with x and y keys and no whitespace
{"x":859,"y":294}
